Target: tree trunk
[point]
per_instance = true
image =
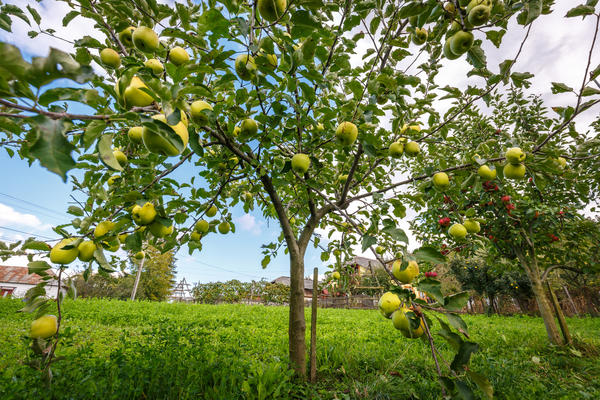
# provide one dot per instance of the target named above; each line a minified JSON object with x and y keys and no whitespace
{"x":561,"y":317}
{"x":533,"y":273}
{"x":297,"y":324}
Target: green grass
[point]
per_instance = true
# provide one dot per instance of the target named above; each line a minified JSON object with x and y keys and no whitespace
{"x":124,"y":350}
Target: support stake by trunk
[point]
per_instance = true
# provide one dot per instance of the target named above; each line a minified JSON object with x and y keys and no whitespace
{"x":575,"y":310}
{"x":137,"y":278}
{"x":561,"y":317}
{"x":313,"y":328}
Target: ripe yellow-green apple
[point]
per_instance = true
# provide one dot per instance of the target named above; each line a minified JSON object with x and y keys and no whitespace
{"x":412,"y":149}
{"x":475,"y":3}
{"x":236,"y":131}
{"x":145,"y":39}
{"x":113,"y":179}
{"x":159,"y":230}
{"x":212,"y":211}
{"x":336,"y":275}
{"x":120,"y":156}
{"x":396,"y":149}
{"x":479,"y":15}
{"x":441,"y":180}
{"x":562,"y":162}
{"x":247,"y":196}
{"x":157,"y":144}
{"x":143,"y":215}
{"x":43,"y":327}
{"x":515,"y":155}
{"x":337,"y":253}
{"x":449,"y":7}
{"x":248,"y":128}
{"x":245,"y":66}
{"x":103,"y":228}
{"x":110,"y":58}
{"x":457,"y":231}
{"x":60,"y":255}
{"x":271,"y":58}
{"x":343,"y":178}
{"x":125,"y":36}
{"x":388,"y":303}
{"x":86,"y":250}
{"x":112,"y":245}
{"x":224,"y":228}
{"x":407,"y":275}
{"x":271,"y":10}
{"x":403,"y":324}
{"x":135,"y":134}
{"x":486,"y":173}
{"x":122,"y":237}
{"x":196,"y":111}
{"x":512,"y":171}
{"x":472,"y":226}
{"x":178,"y":55}
{"x":195,"y":236}
{"x":300,"y":163}
{"x":346,"y":133}
{"x":155,"y":65}
{"x":461,"y":42}
{"x":202,"y":226}
{"x":448,"y":50}
{"x":379,"y":250}
{"x":139,"y":255}
{"x":420,"y":36}
{"x":134,"y":96}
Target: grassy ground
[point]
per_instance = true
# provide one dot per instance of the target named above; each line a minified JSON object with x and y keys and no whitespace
{"x":123,"y":350}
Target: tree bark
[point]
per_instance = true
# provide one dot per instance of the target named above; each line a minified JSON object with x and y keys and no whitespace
{"x":533,"y":273}
{"x":297,"y":323}
{"x":561,"y":317}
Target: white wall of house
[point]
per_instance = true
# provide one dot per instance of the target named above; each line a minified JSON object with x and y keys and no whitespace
{"x":22,"y":288}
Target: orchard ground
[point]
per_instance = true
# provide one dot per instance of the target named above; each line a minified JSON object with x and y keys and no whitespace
{"x":133,"y":350}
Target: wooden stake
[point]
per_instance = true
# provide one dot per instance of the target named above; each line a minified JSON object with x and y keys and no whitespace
{"x":313,"y":328}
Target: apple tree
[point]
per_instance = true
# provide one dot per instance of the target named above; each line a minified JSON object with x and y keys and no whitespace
{"x":303,"y":110}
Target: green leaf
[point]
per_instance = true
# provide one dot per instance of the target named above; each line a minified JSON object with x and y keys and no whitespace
{"x":452,"y":338}
{"x":429,"y":254}
{"x":12,"y":62}
{"x":495,"y":36}
{"x":590,"y":91}
{"x":101,"y":259}
{"x":324,"y":256}
{"x":433,"y":288}
{"x":35,"y":245}
{"x":595,"y":73}
{"x":455,"y":302}
{"x":476,"y":57}
{"x":34,"y":304}
{"x":265,"y":261}
{"x":92,"y":131}
{"x":69,"y":17}
{"x":558,"y":87}
{"x":412,"y":9}
{"x":464,"y":391}
{"x":34,"y":14}
{"x":105,"y":153}
{"x":462,"y":358}
{"x":35,"y":267}
{"x":457,"y":322}
{"x":580,"y":10}
{"x":534,"y":9}
{"x":51,"y":147}
{"x":482,"y":382}
{"x":368,"y":241}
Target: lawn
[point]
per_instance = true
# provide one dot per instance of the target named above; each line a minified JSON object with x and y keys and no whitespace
{"x":141,"y":350}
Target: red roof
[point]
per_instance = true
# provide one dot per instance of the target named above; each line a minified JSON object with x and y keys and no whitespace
{"x":9,"y":274}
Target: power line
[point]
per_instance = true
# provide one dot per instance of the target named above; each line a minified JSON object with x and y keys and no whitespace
{"x":62,"y":214}
{"x":28,"y":233}
{"x":36,"y":212}
{"x":227,"y":270}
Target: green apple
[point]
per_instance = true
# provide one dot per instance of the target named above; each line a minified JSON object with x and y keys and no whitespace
{"x":247,"y":196}
{"x":486,"y":173}
{"x":420,"y":36}
{"x":196,"y":111}
{"x":380,"y":250}
{"x":248,"y":128}
{"x":195,"y":236}
{"x":155,"y":65}
{"x":237,"y":130}
{"x":245,"y":66}
{"x":139,"y":255}
{"x":396,"y":149}
{"x":86,"y":250}
{"x":271,"y":10}
{"x":407,"y":275}
{"x":515,"y":155}
{"x":271,"y":58}
{"x":125,"y":36}
{"x":110,"y":58}
{"x":412,"y":149}
{"x":113,"y":179}
{"x":212,"y":211}
{"x":403,"y":323}
{"x":103,"y":228}
{"x":479,"y":15}
{"x":120,"y":156}
{"x":457,"y":231}
{"x":44,"y":327}
{"x":202,"y":226}
{"x":461,"y":42}
{"x":60,"y":255}
{"x":512,"y":171}
{"x":134,"y":96}
{"x":448,"y":51}
{"x":145,"y":39}
{"x":388,"y":303}
{"x":159,"y":230}
{"x":346,"y":133}
{"x":342,"y":178}
{"x":157,"y":144}
{"x":122,"y":237}
{"x":475,"y":3}
{"x":300,"y":163}
{"x":472,"y":226}
{"x":178,"y":55}
{"x":135,"y":134}
{"x":320,"y":127}
{"x":336,"y":275}
{"x":562,"y":162}
{"x":224,"y":228}
{"x":143,"y":215}
{"x":449,"y":7}
{"x":441,"y":180}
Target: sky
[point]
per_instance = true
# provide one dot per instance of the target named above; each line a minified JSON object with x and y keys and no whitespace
{"x":32,"y":199}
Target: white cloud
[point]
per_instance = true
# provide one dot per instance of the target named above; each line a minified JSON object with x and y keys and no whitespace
{"x":249,"y":223}
{"x":9,"y":216}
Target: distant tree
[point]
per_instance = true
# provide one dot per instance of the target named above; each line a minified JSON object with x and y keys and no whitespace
{"x":158,"y":275}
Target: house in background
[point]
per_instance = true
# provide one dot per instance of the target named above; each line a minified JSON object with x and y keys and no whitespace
{"x":16,"y":281}
{"x":364,"y":266}
{"x":308,"y":286}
